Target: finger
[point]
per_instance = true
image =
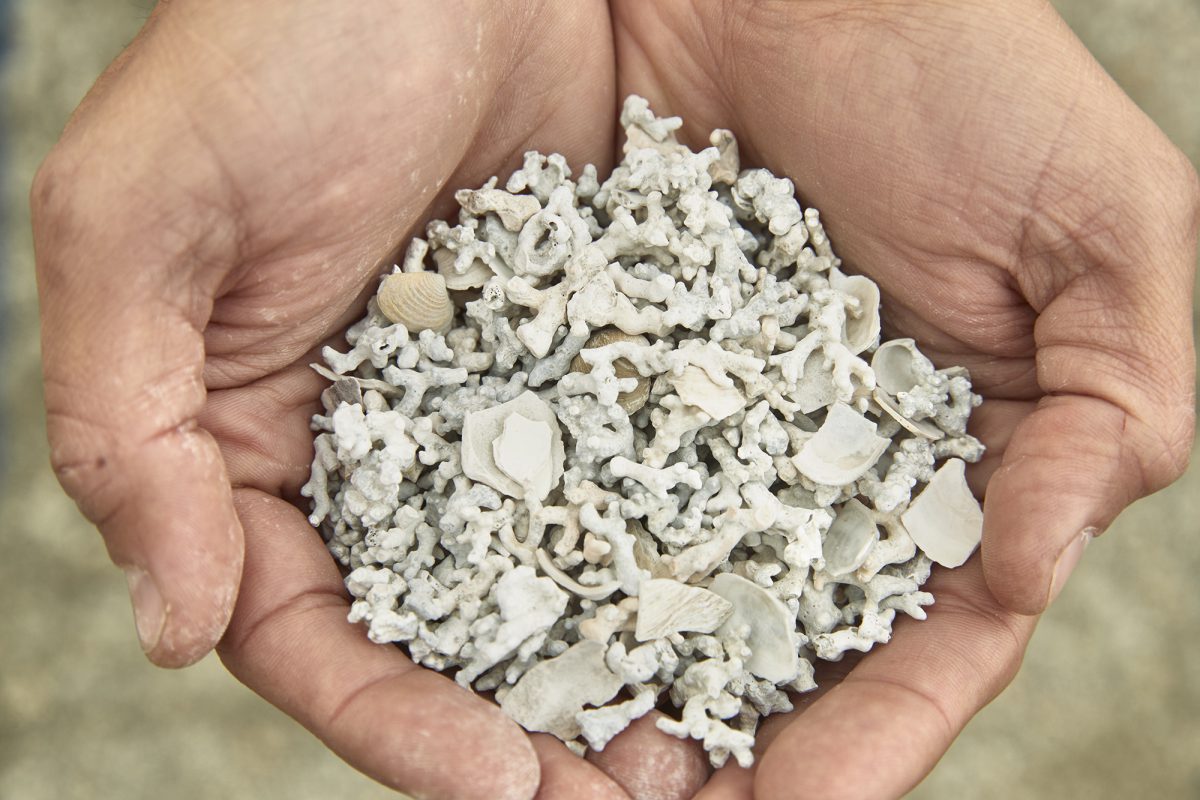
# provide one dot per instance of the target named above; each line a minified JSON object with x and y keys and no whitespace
{"x":880,"y":731}
{"x":405,"y":726}
{"x":994,"y":423}
{"x":567,"y":776}
{"x":122,"y":358}
{"x":123,"y":281}
{"x":1115,"y":358}
{"x":733,"y":782}
{"x":263,"y":429}
{"x":652,"y":765}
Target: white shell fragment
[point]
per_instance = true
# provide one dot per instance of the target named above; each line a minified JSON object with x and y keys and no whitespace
{"x":523,"y":434}
{"x":653,"y":454}
{"x":945,"y":519}
{"x":771,"y":627}
{"x":667,"y":606}
{"x":850,"y":538}
{"x":697,"y":389}
{"x":551,"y":694}
{"x":843,"y":449}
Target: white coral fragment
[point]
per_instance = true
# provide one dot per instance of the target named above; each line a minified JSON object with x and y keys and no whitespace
{"x":945,"y":519}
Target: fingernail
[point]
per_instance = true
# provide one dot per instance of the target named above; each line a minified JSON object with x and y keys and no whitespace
{"x":1068,"y":559}
{"x":149,"y":610}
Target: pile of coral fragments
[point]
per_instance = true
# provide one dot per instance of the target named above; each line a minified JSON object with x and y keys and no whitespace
{"x":603,"y":445}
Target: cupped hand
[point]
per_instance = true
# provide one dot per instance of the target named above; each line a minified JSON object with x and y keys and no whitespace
{"x":1023,"y":218}
{"x":218,"y":207}
{"x":222,"y":201}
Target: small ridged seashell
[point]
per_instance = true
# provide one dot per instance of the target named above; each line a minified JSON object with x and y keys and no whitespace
{"x":417,"y":300}
{"x":630,"y":401}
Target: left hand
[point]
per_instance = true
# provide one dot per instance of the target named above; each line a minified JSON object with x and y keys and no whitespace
{"x":1024,"y":219}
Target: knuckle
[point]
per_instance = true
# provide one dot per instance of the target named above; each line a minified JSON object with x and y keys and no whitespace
{"x":49,"y":194}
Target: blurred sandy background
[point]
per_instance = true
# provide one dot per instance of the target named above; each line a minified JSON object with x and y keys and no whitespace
{"x":1107,"y":705}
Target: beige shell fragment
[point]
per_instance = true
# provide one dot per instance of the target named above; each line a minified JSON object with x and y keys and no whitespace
{"x":842,"y":450}
{"x":417,"y":300}
{"x":475,"y":275}
{"x":487,"y":434}
{"x":551,"y":693}
{"x":630,"y":401}
{"x":850,"y":539}
{"x":862,"y":325}
{"x":666,"y":606}
{"x":773,"y":650}
{"x":695,"y":388}
{"x":920,"y":427}
{"x":945,"y":519}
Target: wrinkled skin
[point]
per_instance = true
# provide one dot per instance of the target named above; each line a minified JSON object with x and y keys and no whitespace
{"x":221,"y":202}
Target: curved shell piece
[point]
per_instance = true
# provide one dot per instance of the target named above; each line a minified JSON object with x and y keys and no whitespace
{"x":842,"y":450}
{"x":945,"y":519}
{"x":921,"y":427}
{"x":474,"y":277}
{"x":862,"y":325}
{"x":850,"y":539}
{"x":773,"y":651}
{"x":417,"y":300}
{"x":897,"y":365}
{"x":630,"y":401}
{"x":695,"y":388}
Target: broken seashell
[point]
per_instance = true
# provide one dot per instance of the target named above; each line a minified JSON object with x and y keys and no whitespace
{"x":564,"y":580}
{"x":551,"y":693}
{"x":487,"y":433}
{"x":667,"y":606}
{"x":862,"y":324}
{"x":523,"y":450}
{"x":842,"y":450}
{"x":772,"y":648}
{"x":893,"y":364}
{"x":473,"y":277}
{"x":921,"y":427}
{"x":695,"y":388}
{"x":417,"y":300}
{"x":849,"y":539}
{"x":945,"y":519}
{"x":633,"y":401}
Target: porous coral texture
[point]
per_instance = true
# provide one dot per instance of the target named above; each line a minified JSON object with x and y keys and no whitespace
{"x":657,"y":384}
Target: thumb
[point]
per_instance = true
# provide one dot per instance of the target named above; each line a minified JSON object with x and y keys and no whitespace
{"x":1116,"y":364}
{"x":121,"y":281}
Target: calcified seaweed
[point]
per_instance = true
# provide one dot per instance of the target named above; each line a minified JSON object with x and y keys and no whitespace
{"x":658,"y":454}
